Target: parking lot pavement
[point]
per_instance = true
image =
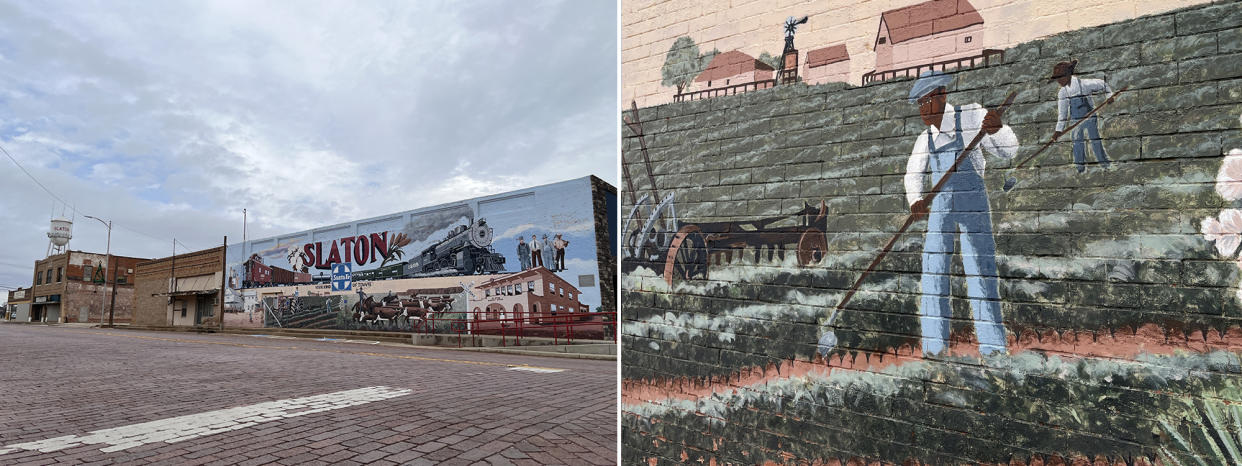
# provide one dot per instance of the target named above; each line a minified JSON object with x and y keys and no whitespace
{"x":108,"y":396}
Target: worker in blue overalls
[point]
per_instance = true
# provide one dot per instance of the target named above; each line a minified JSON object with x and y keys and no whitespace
{"x":1074,"y":101}
{"x":959,"y":210}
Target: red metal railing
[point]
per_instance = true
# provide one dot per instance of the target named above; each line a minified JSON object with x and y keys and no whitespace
{"x":984,"y":59}
{"x":727,"y":90}
{"x":516,"y":326}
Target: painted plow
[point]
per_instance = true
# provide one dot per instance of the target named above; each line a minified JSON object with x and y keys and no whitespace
{"x":653,"y":235}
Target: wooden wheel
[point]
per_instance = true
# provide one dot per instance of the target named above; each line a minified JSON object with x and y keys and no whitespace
{"x":812,"y":247}
{"x":687,"y":255}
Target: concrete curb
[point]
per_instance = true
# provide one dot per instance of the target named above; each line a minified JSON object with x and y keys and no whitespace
{"x":396,"y":340}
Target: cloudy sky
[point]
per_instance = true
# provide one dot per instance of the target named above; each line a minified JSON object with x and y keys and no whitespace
{"x":171,"y":117}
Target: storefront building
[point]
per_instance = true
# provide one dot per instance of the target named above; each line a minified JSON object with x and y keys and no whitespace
{"x":72,"y":287}
{"x":181,"y":290}
{"x":18,"y":305}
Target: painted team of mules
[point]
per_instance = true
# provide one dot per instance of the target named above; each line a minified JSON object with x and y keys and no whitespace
{"x":393,"y":310}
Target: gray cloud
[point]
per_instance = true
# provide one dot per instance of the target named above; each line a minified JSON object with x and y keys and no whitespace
{"x":171,"y":117}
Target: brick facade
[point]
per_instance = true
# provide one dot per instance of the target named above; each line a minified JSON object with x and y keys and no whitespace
{"x":198,"y":275}
{"x":65,"y":288}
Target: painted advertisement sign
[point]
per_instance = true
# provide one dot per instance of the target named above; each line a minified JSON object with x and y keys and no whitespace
{"x":550,"y":226}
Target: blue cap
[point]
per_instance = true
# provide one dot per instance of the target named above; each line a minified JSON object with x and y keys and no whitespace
{"x":929,"y":81}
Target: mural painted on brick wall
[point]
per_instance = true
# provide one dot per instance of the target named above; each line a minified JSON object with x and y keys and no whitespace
{"x":550,"y":228}
{"x":1033,"y":260}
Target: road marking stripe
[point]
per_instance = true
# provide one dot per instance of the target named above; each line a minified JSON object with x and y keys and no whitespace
{"x":541,"y":370}
{"x":181,"y":428}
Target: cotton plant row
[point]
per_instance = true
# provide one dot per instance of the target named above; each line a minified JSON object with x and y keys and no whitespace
{"x":1226,"y":228}
{"x":1151,"y":371}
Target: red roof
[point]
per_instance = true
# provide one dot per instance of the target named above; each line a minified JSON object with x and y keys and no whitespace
{"x":731,"y":63}
{"x":928,"y":18}
{"x":826,"y":56}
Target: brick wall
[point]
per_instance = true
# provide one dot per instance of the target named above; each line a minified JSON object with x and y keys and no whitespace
{"x":1119,"y":287}
{"x":152,"y":278}
{"x":78,"y":291}
{"x":602,"y":194}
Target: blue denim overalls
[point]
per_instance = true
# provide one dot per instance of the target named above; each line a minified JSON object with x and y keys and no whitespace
{"x":1079,"y":107}
{"x":961,"y":205}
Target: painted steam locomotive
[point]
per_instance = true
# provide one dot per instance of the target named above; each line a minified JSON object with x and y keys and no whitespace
{"x":466,"y":250}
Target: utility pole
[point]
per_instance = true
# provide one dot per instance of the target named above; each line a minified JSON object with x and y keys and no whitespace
{"x":224,"y":265}
{"x":112,"y":307}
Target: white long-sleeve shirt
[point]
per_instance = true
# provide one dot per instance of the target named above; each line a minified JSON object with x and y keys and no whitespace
{"x":1078,"y":87}
{"x":1003,"y":144}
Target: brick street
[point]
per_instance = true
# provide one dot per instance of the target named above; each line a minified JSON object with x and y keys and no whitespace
{"x":369,"y":404}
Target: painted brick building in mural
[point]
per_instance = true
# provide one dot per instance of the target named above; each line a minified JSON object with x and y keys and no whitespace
{"x":534,"y":295}
{"x":827,"y":65}
{"x":1089,"y":298}
{"x":938,"y":30}
{"x":472,"y":240}
{"x":70,"y":287}
{"x":730,"y":69}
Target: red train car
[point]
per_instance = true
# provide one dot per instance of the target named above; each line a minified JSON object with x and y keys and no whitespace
{"x":259,"y":274}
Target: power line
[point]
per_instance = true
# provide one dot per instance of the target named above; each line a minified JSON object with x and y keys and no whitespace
{"x":32,"y":178}
{"x":75,"y":210}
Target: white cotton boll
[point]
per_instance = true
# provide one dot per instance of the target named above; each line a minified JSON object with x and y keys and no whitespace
{"x":1229,"y":178}
{"x":1227,"y":240}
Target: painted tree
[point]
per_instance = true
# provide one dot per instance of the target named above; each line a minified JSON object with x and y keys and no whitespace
{"x":683,"y":63}
{"x":773,"y":61}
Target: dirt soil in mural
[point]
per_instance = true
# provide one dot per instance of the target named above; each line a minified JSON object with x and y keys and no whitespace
{"x":1124,"y":344}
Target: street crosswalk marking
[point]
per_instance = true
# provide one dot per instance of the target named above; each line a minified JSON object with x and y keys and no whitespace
{"x":541,"y":370}
{"x":183,"y":428}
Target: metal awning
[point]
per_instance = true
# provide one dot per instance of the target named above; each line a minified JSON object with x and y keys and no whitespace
{"x":187,"y":293}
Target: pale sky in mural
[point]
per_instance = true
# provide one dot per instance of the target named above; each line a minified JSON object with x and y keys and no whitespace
{"x":169,"y":118}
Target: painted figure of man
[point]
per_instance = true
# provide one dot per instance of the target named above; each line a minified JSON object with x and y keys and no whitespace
{"x":1074,"y":101}
{"x":959,"y":210}
{"x":523,"y":253}
{"x":549,"y":257}
{"x":536,"y":253}
{"x":560,"y":244}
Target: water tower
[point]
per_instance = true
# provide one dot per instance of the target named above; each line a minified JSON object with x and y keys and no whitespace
{"x":58,"y":235}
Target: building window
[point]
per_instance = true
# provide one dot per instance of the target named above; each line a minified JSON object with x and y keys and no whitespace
{"x":517,"y":289}
{"x":562,"y":292}
{"x":87,"y":271}
{"x":38,"y":279}
{"x":530,"y":285}
{"x":60,"y":274}
{"x":487,"y":292}
{"x":551,"y":287}
{"x":571,"y":295}
{"x":967,"y":39}
{"x":48,"y":280}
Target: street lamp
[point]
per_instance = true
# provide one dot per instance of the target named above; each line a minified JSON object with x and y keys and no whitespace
{"x":104,"y":299}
